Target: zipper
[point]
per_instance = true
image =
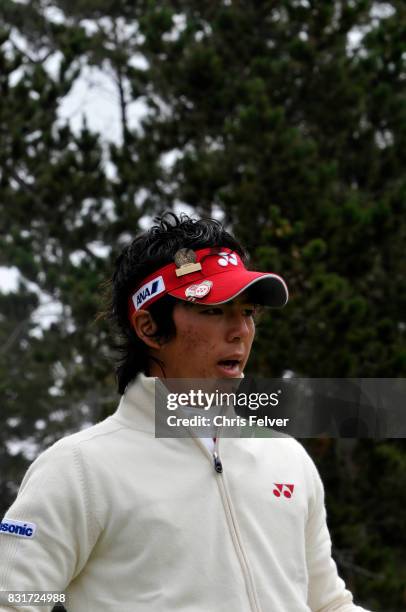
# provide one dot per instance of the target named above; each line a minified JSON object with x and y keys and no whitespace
{"x":232,"y":523}
{"x":218,"y":466}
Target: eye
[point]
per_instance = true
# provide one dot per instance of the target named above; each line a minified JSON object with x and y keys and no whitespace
{"x":212,"y":311}
{"x":254,"y":311}
{"x":249,"y":309}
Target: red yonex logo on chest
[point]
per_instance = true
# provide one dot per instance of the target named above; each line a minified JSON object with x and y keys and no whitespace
{"x":283,"y":489}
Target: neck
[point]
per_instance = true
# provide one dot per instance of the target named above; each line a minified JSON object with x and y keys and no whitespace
{"x":156,"y":367}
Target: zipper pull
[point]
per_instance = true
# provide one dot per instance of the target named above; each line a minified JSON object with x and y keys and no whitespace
{"x":218,"y":466}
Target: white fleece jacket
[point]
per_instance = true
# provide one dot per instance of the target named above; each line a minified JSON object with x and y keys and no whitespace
{"x":126,"y":522}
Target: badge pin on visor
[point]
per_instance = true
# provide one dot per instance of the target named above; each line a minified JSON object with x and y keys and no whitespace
{"x":198,"y":291}
{"x":185,"y":260}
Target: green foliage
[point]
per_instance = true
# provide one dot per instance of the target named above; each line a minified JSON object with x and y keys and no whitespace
{"x":369,"y":532}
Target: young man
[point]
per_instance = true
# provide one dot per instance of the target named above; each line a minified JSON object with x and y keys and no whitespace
{"x":122,"y":520}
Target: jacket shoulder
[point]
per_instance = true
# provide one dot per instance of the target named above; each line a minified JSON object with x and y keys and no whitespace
{"x":86,"y":437}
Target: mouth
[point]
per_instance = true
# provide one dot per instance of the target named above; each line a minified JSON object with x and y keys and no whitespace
{"x":229,"y":368}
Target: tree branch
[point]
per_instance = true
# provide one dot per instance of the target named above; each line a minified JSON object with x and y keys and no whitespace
{"x":357,"y":569}
{"x":28,"y":56}
{"x":121,"y":92}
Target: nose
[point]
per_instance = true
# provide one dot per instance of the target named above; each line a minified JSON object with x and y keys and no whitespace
{"x":239,"y":327}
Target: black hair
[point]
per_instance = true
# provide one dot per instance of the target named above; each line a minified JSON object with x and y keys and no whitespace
{"x":149,"y":251}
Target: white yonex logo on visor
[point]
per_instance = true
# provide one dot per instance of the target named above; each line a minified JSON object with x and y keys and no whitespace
{"x":18,"y":528}
{"x":227,"y":258}
{"x":148,"y":291}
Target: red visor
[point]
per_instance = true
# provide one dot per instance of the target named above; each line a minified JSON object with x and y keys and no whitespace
{"x":215,"y":277}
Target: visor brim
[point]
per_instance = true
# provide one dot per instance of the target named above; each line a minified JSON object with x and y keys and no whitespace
{"x":264,"y":288}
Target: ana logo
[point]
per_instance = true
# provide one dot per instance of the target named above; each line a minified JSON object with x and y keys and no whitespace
{"x":200,"y":290}
{"x":283,"y":489}
{"x":227,"y":258}
{"x":148,"y":291}
{"x":18,"y":528}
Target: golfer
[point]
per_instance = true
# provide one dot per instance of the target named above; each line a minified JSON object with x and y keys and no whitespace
{"x":122,"y":521}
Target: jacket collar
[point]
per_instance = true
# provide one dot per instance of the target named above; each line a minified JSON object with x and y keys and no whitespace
{"x":137,"y":405}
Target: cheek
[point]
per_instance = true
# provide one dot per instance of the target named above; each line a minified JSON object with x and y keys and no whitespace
{"x":252,"y":331}
{"x":197,"y":342}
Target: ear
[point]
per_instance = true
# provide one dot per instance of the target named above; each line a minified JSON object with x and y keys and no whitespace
{"x":145,"y":327}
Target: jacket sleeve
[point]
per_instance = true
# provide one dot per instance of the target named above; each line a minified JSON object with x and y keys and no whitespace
{"x":56,"y":498}
{"x":327,"y":592}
